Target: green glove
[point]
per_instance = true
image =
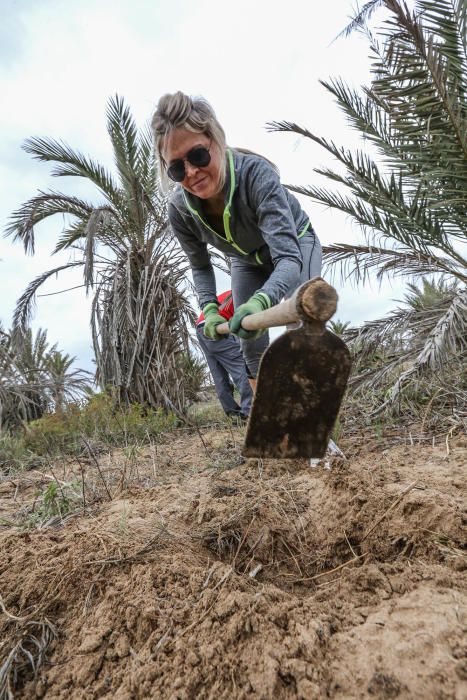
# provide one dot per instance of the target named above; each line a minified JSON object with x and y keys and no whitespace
{"x":212,"y":319}
{"x":258,"y":302}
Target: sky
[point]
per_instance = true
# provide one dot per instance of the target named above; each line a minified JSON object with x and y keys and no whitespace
{"x":255,"y":62}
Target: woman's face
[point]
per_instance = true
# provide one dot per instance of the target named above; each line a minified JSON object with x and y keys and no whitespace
{"x":203,"y":182}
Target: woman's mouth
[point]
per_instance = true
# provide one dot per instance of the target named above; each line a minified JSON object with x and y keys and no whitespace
{"x":199,"y":183}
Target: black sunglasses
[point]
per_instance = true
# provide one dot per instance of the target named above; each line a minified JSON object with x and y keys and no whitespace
{"x":198,"y":156}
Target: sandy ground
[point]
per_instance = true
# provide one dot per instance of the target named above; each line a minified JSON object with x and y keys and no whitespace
{"x":201,"y":575}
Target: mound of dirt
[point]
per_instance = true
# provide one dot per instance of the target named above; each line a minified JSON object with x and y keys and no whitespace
{"x":207,"y":576}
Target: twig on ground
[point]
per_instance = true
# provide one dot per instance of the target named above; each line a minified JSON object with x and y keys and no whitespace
{"x":292,"y":555}
{"x":242,"y":541}
{"x":94,"y":458}
{"x":130,"y":557}
{"x":331,"y":571}
{"x":391,"y":507}
{"x":33,"y":640}
{"x":251,"y":550}
{"x":162,"y":640}
{"x":350,"y":546}
{"x":83,"y":489}
{"x":58,"y":482}
{"x":208,"y":610}
{"x":48,"y":476}
{"x":9,"y":615}
{"x":448,"y":435}
{"x":232,"y":435}
{"x":260,"y":468}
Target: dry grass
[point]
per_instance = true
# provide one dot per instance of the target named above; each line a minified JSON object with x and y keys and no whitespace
{"x":23,"y":651}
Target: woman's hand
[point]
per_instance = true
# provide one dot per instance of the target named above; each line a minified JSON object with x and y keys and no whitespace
{"x":212,"y":319}
{"x":258,"y":302}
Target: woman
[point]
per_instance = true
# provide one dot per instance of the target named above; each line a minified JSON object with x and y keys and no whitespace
{"x":233,"y":200}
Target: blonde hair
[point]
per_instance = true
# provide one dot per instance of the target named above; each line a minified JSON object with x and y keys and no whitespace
{"x":195,"y":114}
{"x":247,"y":152}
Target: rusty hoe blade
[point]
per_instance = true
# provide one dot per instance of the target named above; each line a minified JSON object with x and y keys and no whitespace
{"x":302,"y":379}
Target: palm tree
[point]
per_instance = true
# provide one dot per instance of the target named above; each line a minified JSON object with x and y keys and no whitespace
{"x":30,"y":358}
{"x":62,"y":379}
{"x":35,"y":378}
{"x":14,"y":402}
{"x":407,"y":188}
{"x":129,"y":258}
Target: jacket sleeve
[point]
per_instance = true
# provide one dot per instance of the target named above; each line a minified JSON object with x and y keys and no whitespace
{"x":278,"y":229}
{"x":198,"y":257}
{"x":226,"y":309}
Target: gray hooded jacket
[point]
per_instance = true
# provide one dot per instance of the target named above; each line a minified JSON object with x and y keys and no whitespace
{"x":262,"y":221}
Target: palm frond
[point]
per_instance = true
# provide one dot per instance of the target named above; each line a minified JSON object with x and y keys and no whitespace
{"x":26,"y":302}
{"x":104,"y":227}
{"x":414,"y":341}
{"x":400,"y":212}
{"x":124,"y":136}
{"x":35,"y":210}
{"x":357,"y":262}
{"x":449,"y":335}
{"x":447,"y":20}
{"x":74,"y":164}
{"x":415,"y":228}
{"x":421,"y":79}
{"x":146,"y":161}
{"x":363,"y":114}
{"x":432,"y":293}
{"x":361,"y":18}
{"x":70,"y":236}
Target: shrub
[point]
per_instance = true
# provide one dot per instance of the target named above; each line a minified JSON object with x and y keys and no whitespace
{"x":98,"y":420}
{"x":15,"y":455}
{"x":195,"y":373}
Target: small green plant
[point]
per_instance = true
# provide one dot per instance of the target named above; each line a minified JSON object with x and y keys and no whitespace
{"x":378,"y":428}
{"x":56,"y":500}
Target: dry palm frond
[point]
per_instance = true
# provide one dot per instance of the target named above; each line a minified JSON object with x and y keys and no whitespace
{"x":139,"y":319}
{"x":24,"y":653}
{"x":419,"y":345}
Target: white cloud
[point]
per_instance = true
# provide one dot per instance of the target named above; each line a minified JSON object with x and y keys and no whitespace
{"x":255,"y":61}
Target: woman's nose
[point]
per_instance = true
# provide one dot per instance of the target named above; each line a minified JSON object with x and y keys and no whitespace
{"x":190,"y":169}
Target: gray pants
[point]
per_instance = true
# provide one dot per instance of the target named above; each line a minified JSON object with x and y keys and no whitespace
{"x":225,"y":360}
{"x":247,"y":279}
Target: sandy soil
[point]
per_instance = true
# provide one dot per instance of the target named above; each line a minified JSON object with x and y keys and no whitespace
{"x":207,"y":576}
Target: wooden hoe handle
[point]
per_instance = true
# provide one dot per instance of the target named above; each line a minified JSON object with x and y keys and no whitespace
{"x":314,"y":300}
